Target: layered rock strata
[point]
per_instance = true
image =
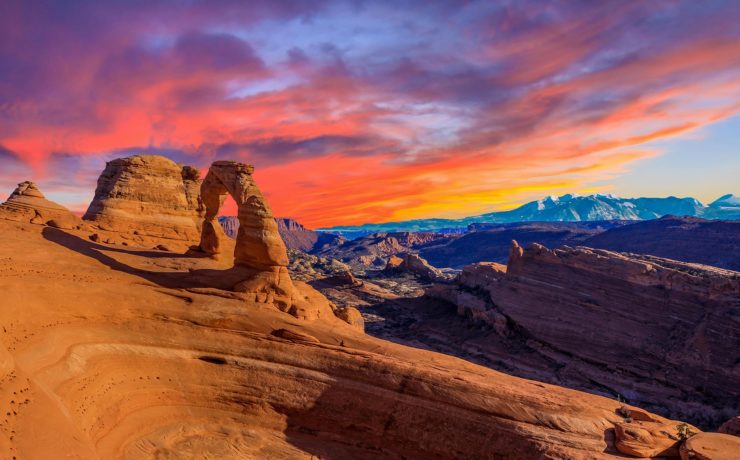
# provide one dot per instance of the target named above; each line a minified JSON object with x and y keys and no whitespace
{"x":658,"y":332}
{"x":28,"y":204}
{"x":148,"y":195}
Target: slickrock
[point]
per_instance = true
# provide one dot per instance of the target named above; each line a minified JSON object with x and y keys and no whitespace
{"x":109,"y":353}
{"x":661,"y":333}
{"x":711,"y":446}
{"x":149,"y":196}
{"x":259,"y":249}
{"x":28,"y":204}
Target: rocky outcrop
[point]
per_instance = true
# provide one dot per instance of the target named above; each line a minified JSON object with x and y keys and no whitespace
{"x":415,"y":265}
{"x":148,"y":195}
{"x":711,"y":446}
{"x":259,"y":251}
{"x":657,"y":331}
{"x":372,"y":251}
{"x":732,"y":426}
{"x":28,"y":204}
{"x":352,"y":316}
{"x":487,"y":242}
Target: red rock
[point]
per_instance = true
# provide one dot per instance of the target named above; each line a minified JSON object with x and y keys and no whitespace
{"x":351,"y":316}
{"x":660,"y":322}
{"x":647,"y":439}
{"x":711,"y":446}
{"x":259,"y":249}
{"x":413,"y":264}
{"x":150,"y":196}
{"x":28,"y":204}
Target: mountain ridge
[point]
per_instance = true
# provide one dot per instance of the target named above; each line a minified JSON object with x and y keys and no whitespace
{"x":566,"y":208}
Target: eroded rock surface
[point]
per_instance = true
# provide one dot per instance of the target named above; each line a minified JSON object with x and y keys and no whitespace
{"x":661,"y":333}
{"x":28,"y":204}
{"x":711,"y":446}
{"x":149,"y":196}
{"x":114,"y":353}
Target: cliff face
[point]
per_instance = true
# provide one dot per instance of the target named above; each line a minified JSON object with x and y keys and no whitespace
{"x":657,"y":331}
{"x":150,"y":195}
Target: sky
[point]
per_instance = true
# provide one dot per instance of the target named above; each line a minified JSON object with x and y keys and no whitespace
{"x":370,"y":111}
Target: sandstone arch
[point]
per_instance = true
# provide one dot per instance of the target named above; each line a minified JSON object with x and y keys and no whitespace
{"x":258,"y":243}
{"x":260,"y":255}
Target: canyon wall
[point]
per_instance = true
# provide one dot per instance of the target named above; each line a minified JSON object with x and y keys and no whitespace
{"x":657,"y":332}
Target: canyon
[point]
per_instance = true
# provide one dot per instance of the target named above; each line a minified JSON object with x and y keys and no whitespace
{"x":160,"y":337}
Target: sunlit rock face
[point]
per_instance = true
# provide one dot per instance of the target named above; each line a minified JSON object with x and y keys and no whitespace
{"x":28,"y":204}
{"x":656,"y":331}
{"x":150,"y":195}
{"x":259,"y":250}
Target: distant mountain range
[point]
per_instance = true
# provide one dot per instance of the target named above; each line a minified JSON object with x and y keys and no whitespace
{"x":566,"y":208}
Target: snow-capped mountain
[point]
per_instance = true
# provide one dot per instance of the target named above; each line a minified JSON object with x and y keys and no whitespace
{"x":570,"y":207}
{"x":724,"y":207}
{"x":596,"y":207}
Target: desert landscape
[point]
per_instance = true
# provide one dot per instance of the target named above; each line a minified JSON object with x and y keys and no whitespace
{"x":143,"y":331}
{"x":360,"y":230}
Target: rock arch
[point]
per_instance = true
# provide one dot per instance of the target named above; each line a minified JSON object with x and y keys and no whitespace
{"x":260,"y":255}
{"x":258,"y":243}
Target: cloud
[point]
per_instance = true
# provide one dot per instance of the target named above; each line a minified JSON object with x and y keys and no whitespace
{"x":368,"y":111}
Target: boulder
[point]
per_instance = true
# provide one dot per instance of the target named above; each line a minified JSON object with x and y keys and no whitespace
{"x":731,"y":426}
{"x":351,"y":316}
{"x":647,"y":439}
{"x":711,"y":446}
{"x":150,"y":196}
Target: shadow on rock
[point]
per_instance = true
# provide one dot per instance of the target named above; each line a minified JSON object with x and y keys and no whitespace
{"x":224,"y":279}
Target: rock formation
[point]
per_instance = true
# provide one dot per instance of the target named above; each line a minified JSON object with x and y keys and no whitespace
{"x":732,"y":426}
{"x":148,"y":195}
{"x":656,"y":331}
{"x":711,"y":446}
{"x":372,"y":251}
{"x":259,"y":250}
{"x":489,"y":242}
{"x":28,"y":204}
{"x":115,"y":354}
{"x":415,"y":265}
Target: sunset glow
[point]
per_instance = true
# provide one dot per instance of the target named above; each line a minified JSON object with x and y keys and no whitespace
{"x":357,"y":112}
